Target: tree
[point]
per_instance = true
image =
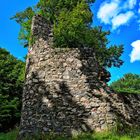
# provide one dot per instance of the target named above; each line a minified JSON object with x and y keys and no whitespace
{"x":71,"y":22}
{"x":129,"y":83}
{"x":11,"y":83}
{"x":25,"y":21}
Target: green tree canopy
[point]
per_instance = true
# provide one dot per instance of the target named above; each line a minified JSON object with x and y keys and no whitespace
{"x":11,"y":83}
{"x":71,"y":22}
{"x":129,"y":83}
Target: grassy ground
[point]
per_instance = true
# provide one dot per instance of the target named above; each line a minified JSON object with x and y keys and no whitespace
{"x":9,"y":136}
{"x":95,"y":136}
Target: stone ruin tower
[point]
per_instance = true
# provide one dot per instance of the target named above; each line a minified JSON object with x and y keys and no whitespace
{"x":62,"y":93}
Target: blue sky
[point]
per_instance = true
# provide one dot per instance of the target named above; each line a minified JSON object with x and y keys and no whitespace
{"x":9,"y":29}
{"x":121,"y":17}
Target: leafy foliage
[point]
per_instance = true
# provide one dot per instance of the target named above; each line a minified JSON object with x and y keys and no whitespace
{"x":71,"y":22}
{"x":25,"y":20}
{"x":11,"y":82}
{"x":71,"y":28}
{"x":130,"y":83}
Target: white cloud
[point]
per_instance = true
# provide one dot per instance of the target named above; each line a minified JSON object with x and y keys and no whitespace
{"x":121,"y":19}
{"x":108,"y":10}
{"x":135,"y":54}
{"x":116,"y":12}
{"x":130,"y":4}
{"x":139,"y":9}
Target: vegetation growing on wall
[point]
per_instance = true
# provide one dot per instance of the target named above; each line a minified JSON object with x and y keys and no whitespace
{"x":129,"y":83}
{"x":71,"y":21}
{"x":11,"y":83}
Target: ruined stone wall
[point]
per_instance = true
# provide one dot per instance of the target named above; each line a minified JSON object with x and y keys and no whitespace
{"x":62,"y":93}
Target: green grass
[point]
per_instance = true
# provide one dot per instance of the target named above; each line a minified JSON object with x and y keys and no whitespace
{"x":95,"y":136}
{"x":9,"y":136}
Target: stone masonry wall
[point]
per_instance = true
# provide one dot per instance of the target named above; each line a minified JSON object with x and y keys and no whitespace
{"x":62,"y":93}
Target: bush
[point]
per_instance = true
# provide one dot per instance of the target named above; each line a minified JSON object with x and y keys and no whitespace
{"x":129,"y":83}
